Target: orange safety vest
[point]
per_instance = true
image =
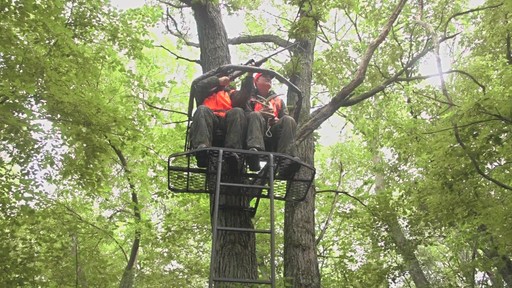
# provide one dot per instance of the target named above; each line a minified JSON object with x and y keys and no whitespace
{"x":275,"y":103}
{"x":219,"y":102}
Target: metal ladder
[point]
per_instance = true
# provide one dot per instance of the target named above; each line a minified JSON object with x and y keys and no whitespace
{"x":216,"y":228}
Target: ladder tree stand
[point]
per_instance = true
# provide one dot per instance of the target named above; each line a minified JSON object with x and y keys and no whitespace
{"x":242,"y":190}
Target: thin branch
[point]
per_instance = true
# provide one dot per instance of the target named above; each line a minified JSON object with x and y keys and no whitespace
{"x":136,"y":210}
{"x":354,"y":23}
{"x":331,"y":212}
{"x":325,"y":39}
{"x":163,"y":109}
{"x":467,"y":12}
{"x":499,"y":116}
{"x":96,"y":227}
{"x":433,"y":98}
{"x":460,"y":126}
{"x":178,"y":33}
{"x":509,"y":49}
{"x":436,"y":41}
{"x":475,"y":162}
{"x":175,"y":122}
{"x":177,"y":56}
{"x":423,"y":77}
{"x":345,"y":193}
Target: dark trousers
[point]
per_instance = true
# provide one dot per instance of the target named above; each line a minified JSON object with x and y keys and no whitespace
{"x":279,"y":138}
{"x":206,"y":125}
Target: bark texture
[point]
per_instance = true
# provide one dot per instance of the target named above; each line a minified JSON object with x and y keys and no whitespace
{"x":300,"y":258}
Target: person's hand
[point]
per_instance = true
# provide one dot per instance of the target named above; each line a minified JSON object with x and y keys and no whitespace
{"x":224,"y":81}
{"x":268,"y":113}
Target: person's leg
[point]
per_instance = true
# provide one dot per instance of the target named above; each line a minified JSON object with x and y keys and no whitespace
{"x":256,"y":126}
{"x":203,"y":124}
{"x":283,"y":138}
{"x":235,"y":128}
{"x":283,"y":135}
{"x":255,"y":130}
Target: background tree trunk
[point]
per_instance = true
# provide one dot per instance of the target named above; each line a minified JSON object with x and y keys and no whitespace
{"x":403,"y":245}
{"x":300,"y":258}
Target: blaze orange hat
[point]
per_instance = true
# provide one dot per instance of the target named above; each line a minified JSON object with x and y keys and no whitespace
{"x":258,"y":75}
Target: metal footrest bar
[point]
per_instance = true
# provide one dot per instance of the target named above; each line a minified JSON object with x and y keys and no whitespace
{"x":236,"y":229}
{"x":235,"y":280}
{"x":245,"y":185}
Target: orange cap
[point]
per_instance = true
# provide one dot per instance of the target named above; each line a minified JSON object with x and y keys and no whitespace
{"x":258,"y":75}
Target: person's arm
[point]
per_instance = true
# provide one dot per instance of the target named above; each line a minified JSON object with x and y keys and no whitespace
{"x":283,"y":111}
{"x":242,"y":96}
{"x":203,"y":88}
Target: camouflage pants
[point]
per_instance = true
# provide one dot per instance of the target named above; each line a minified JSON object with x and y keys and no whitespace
{"x":212,"y":130}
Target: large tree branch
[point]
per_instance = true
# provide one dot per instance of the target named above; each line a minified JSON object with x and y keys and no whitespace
{"x":328,"y":110}
{"x":263,"y":38}
{"x":186,"y":4}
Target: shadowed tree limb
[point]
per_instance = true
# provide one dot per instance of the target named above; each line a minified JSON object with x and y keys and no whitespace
{"x":475,"y":162}
{"x":263,"y":38}
{"x":186,"y":4}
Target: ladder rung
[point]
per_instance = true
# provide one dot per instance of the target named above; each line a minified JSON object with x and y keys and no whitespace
{"x":244,"y":185}
{"x":244,"y":230}
{"x":242,"y":280}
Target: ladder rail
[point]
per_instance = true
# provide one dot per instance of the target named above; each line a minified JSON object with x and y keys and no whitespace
{"x":215,"y":223}
{"x":272,"y":224}
{"x":216,"y":228}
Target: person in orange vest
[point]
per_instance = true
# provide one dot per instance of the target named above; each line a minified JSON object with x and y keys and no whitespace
{"x":270,"y":128}
{"x":219,"y":108}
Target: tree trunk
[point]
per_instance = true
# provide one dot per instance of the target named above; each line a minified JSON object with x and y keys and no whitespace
{"x":404,"y":247}
{"x":80,"y":280}
{"x":235,"y":251}
{"x":127,"y":280}
{"x":502,"y":263}
{"x":300,"y":258}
